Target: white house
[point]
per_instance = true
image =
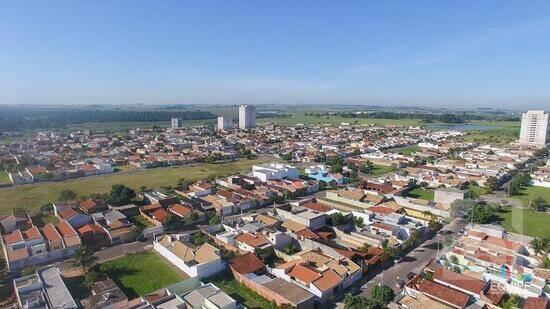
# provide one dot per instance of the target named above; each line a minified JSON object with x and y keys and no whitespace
{"x":196,"y":261}
{"x":275,"y":171}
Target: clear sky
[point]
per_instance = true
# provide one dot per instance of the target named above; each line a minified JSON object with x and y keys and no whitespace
{"x":431,"y":53}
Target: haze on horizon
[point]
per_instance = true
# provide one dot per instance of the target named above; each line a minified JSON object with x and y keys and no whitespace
{"x":430,"y":53}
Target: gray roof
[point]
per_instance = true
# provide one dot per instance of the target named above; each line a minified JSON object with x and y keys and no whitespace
{"x":295,"y":294}
{"x":55,"y":288}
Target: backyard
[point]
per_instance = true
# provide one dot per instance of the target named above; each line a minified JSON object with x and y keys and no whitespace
{"x":525,"y":221}
{"x":379,"y":170}
{"x":34,"y":195}
{"x":421,"y":193}
{"x":140,"y":273}
{"x":227,"y":283}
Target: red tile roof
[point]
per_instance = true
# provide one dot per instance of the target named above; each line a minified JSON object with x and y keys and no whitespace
{"x":67,"y":213}
{"x":252,"y":240}
{"x":444,"y":293}
{"x":32,"y":233}
{"x":50,"y":232}
{"x":381,"y":210}
{"x":65,"y":229}
{"x":317,"y":207}
{"x":181,"y":210}
{"x":304,"y":274}
{"x":246,"y":263}
{"x":536,"y":303}
{"x":329,"y":279}
{"x":459,"y":280}
{"x":13,"y":237}
{"x":503,"y":243}
{"x":161,"y":215}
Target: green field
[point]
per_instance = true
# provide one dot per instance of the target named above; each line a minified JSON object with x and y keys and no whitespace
{"x":42,"y":218}
{"x":336,"y":120}
{"x":32,"y":196}
{"x":407,"y":151}
{"x":421,"y":193}
{"x":4,"y":177}
{"x":525,"y":221}
{"x":239,"y":292}
{"x":530,"y":193}
{"x":140,"y":273}
{"x":503,"y":134}
{"x":380,"y":170}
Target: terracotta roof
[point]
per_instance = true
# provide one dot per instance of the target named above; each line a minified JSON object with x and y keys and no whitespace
{"x":90,"y":228}
{"x":307,"y":233}
{"x":444,"y":293}
{"x":267,"y":220}
{"x":252,"y":240}
{"x":317,"y":207}
{"x":181,"y":210}
{"x":67,"y":213}
{"x":160,"y":215}
{"x":50,"y":232}
{"x":17,"y":254}
{"x":503,"y":243}
{"x":151,"y":207}
{"x":496,"y":295}
{"x":459,"y":280}
{"x":32,"y":233}
{"x":328,"y":280}
{"x":536,"y":303}
{"x":13,"y":237}
{"x":304,"y":274}
{"x":381,"y":210}
{"x":66,"y":229}
{"x":246,"y":263}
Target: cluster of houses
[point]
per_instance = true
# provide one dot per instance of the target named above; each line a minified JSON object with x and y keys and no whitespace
{"x":481,"y":270}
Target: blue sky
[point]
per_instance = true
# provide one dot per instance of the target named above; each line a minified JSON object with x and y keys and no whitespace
{"x":429,"y":53}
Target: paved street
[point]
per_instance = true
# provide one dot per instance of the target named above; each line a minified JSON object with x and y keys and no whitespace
{"x":415,"y":260}
{"x":120,"y":250}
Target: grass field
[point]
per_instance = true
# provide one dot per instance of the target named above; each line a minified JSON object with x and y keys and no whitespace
{"x":530,"y":193}
{"x":407,"y":151}
{"x":380,"y":170}
{"x":503,"y":135}
{"x":336,"y":120}
{"x":239,"y":292}
{"x":32,"y":196}
{"x":421,"y":193}
{"x":140,"y":273}
{"x":525,"y":221}
{"x":4,"y":177}
{"x":476,"y":191}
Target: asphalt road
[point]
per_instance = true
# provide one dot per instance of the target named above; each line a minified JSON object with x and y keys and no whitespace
{"x":415,"y":261}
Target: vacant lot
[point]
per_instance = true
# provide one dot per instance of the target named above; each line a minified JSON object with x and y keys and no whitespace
{"x":421,"y":193}
{"x":227,"y":283}
{"x":140,"y":273}
{"x":336,"y":120}
{"x":525,"y":221}
{"x":32,"y":196}
{"x":530,"y":193}
{"x":380,"y":170}
{"x":4,"y":177}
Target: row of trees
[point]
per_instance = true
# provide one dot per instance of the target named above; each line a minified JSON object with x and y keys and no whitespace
{"x":118,"y":196}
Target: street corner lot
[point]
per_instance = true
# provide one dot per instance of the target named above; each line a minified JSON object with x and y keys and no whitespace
{"x":138,"y":274}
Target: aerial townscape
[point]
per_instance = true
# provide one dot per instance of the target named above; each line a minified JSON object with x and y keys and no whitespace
{"x":274,"y":154}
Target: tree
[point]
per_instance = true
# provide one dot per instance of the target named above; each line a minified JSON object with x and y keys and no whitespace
{"x":511,"y":302}
{"x":184,"y":184}
{"x":48,"y":207}
{"x":120,"y":195}
{"x":29,"y":270}
{"x":338,"y":219}
{"x":454,"y":259}
{"x":66,"y":195}
{"x":93,"y":276}
{"x":84,"y":258}
{"x":491,"y":183}
{"x":382,"y":293}
{"x":360,"y":302}
{"x":538,"y":204}
{"x":322,"y":184}
{"x":267,"y":255}
{"x":214,"y":220}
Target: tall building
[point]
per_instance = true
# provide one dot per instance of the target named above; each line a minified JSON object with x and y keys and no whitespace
{"x":224,"y":123}
{"x":534,"y":129}
{"x":247,"y":116}
{"x":175,"y":123}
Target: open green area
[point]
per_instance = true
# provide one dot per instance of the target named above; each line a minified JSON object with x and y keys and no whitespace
{"x":140,"y":273}
{"x":227,"y":283}
{"x":476,"y":191}
{"x":43,"y":218}
{"x":4,"y":178}
{"x":525,"y":221}
{"x":506,"y":133}
{"x":379,"y":170}
{"x":530,"y":193}
{"x":140,"y":221}
{"x":297,"y":118}
{"x":34,"y":195}
{"x":421,"y":193}
{"x":407,"y":151}
{"x":126,"y":168}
